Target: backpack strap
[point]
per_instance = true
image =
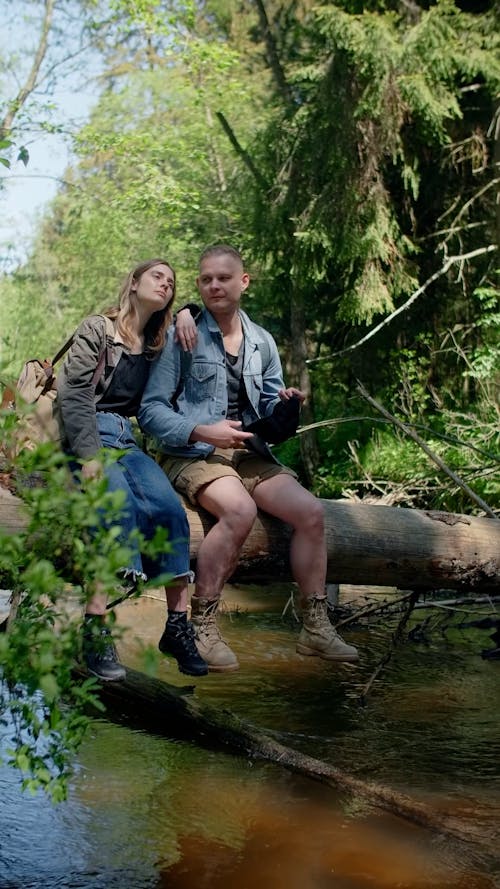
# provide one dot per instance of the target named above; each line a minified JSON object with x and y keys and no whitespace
{"x":62,"y":351}
{"x":109,"y":356}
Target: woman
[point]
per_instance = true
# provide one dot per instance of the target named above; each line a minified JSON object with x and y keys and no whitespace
{"x":99,"y":389}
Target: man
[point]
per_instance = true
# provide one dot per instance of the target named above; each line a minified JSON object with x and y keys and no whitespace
{"x":196,"y":408}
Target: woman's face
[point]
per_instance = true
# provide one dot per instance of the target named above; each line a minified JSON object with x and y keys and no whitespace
{"x":155,"y":287}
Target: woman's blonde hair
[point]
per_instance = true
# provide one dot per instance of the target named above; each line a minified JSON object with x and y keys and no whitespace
{"x":157,"y":326}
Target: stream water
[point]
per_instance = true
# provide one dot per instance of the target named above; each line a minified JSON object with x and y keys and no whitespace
{"x":148,"y":812}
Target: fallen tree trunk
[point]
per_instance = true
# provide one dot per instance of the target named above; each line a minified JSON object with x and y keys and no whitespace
{"x":171,"y":711}
{"x":379,"y":545}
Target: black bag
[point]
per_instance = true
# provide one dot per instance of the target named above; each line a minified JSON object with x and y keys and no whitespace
{"x":281,"y":424}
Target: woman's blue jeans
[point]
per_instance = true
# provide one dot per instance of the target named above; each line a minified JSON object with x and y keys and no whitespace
{"x":151,"y":501}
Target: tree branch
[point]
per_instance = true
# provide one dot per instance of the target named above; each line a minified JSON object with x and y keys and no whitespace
{"x":440,"y":272}
{"x":247,"y":160}
{"x":31,"y":80}
{"x":430,"y":453}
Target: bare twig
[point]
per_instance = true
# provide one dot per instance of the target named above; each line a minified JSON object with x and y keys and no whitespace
{"x":386,"y":605}
{"x":465,"y":601}
{"x":395,"y":641}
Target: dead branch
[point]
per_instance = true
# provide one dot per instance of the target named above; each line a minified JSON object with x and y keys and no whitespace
{"x":247,"y":160}
{"x":430,"y":453}
{"x":396,"y":639}
{"x":438,"y":274}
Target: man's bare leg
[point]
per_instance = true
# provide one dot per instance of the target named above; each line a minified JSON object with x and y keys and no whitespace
{"x":235,"y":512}
{"x":283,"y":497}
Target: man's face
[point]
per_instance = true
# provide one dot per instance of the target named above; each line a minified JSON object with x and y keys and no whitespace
{"x":221,"y":282}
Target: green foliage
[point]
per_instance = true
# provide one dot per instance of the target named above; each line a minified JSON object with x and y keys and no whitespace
{"x":70,"y":547}
{"x":484,"y":366}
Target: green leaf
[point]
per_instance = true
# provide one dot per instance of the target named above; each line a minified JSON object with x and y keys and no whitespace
{"x":23,"y":155}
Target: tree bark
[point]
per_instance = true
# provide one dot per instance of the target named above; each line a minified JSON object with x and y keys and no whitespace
{"x":379,"y":545}
{"x":302,"y":379}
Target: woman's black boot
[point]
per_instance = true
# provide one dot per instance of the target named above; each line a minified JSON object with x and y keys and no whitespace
{"x":178,"y":641}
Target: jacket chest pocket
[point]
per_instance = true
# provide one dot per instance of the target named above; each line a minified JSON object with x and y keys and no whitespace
{"x":201,"y":381}
{"x":253,"y":385}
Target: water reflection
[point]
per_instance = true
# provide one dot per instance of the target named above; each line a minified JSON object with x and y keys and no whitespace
{"x":147,"y":812}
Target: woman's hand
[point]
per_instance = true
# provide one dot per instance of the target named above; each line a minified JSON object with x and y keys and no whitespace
{"x":91,"y":469}
{"x":186,"y":332}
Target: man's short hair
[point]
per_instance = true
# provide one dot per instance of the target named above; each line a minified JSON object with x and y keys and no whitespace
{"x":221,"y":250}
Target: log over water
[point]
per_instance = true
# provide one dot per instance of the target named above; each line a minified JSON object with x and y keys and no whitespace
{"x":379,"y":545}
{"x":174,"y":712}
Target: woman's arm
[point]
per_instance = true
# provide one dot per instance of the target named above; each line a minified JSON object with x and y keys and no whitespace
{"x":76,"y":388}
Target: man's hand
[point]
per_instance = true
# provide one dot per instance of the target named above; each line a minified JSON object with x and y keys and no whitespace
{"x":224,"y":434}
{"x":286,"y":394}
{"x":186,"y":332}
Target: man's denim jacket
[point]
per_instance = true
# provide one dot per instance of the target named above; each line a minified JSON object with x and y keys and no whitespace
{"x":185,"y":390}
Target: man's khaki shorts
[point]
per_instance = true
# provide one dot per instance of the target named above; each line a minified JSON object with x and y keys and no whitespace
{"x":190,"y":475}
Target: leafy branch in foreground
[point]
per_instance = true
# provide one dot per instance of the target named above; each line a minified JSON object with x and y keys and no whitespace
{"x":71,"y":542}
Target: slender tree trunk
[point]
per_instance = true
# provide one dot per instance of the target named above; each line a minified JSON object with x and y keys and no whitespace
{"x":31,"y":81}
{"x":273,"y":55}
{"x":301,"y":378}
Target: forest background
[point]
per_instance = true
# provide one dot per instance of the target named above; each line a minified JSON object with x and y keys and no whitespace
{"x":349,"y":149}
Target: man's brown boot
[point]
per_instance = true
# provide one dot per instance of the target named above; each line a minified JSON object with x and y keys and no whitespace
{"x":209,"y":642}
{"x":318,"y":638}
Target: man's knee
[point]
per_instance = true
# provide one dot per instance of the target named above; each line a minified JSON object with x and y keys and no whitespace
{"x":311,"y":516}
{"x":237,"y":515}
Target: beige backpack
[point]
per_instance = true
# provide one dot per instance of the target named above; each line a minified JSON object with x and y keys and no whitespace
{"x":33,"y":399}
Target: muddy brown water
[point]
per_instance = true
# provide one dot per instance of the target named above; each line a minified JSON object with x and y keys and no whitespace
{"x":148,"y":812}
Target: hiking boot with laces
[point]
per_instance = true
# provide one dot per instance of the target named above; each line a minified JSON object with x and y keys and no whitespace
{"x":99,"y":654}
{"x":318,"y":638}
{"x":209,"y":642}
{"x":178,"y":640}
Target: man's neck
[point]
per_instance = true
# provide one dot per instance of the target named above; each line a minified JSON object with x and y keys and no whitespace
{"x":229,"y":324}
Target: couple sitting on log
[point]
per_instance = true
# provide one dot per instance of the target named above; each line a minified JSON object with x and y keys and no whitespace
{"x":211,"y":395}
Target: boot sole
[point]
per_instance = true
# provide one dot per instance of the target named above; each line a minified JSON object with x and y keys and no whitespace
{"x":106,"y":678}
{"x":182,"y":669}
{"x":311,"y":652}
{"x":192,"y":672}
{"x":230,"y":668}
